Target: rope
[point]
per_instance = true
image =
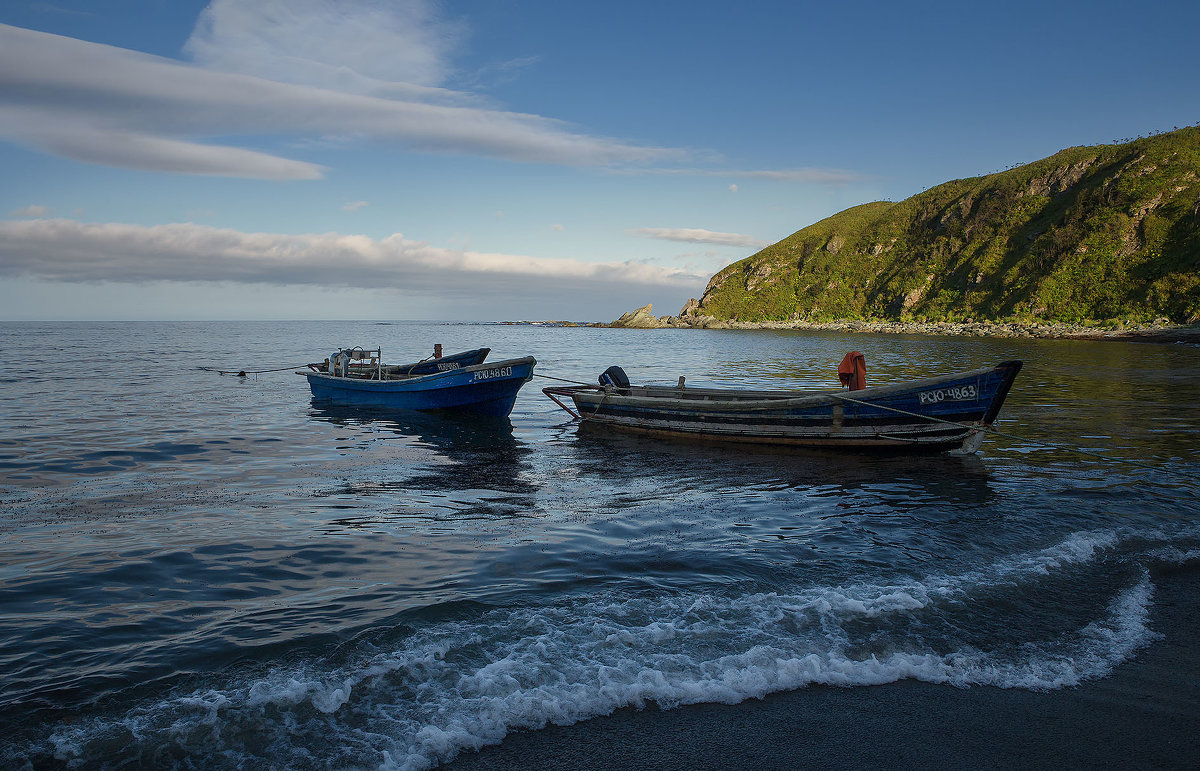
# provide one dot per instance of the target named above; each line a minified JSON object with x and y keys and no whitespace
{"x":563,"y":379}
{"x":250,"y":371}
{"x":583,"y":418}
{"x":408,"y":372}
{"x":967,"y":426}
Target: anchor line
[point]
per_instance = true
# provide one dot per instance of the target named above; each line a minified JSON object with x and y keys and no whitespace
{"x":561,"y":379}
{"x":250,"y":371}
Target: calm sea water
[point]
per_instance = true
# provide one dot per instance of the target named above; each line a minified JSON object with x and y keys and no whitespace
{"x":211,"y":571}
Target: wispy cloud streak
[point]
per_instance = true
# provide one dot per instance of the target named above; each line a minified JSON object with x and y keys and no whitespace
{"x":100,"y":104}
{"x":698,"y":236}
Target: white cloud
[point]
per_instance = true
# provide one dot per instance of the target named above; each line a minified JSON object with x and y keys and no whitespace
{"x":698,"y":236}
{"x":355,"y":205}
{"x":33,"y":210}
{"x":557,"y":228}
{"x":106,"y":105}
{"x":398,"y":48}
{"x":70,"y":251}
{"x":129,"y":149}
{"x":733,"y":188}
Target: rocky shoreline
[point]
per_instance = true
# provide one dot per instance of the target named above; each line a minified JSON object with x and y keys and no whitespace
{"x":1159,"y":332}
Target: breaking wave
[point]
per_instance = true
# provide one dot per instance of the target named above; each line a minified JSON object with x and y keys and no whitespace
{"x":464,"y":683}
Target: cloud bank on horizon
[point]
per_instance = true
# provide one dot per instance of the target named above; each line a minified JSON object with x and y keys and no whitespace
{"x":69,"y":251}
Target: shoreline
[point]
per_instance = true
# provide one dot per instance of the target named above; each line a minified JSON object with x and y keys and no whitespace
{"x":1141,"y":715}
{"x":1150,"y":333}
{"x":1160,"y":332}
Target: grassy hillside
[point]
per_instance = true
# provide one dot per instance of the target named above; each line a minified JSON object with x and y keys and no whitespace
{"x":1090,"y":234}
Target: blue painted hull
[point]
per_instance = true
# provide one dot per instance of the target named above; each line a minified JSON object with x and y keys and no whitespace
{"x":944,"y":413}
{"x":484,"y":389}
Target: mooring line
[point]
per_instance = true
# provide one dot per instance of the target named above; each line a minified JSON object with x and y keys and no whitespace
{"x":242,"y":372}
{"x":561,"y":379}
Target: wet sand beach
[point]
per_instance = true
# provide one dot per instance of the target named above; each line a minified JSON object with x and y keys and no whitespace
{"x":1145,"y":715}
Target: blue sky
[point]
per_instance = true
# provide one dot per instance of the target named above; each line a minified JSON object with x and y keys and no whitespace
{"x":492,"y":159}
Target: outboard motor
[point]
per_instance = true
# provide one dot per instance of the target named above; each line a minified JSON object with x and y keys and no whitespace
{"x":615,"y":377}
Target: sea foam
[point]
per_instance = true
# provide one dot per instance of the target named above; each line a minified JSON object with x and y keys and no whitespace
{"x":462,"y":684}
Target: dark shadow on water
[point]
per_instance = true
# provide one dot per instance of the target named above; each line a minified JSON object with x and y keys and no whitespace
{"x":441,"y":429}
{"x":475,"y":452}
{"x":613,"y":454}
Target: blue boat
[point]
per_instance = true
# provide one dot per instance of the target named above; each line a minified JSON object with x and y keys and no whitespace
{"x":460,"y":382}
{"x":951,"y":412}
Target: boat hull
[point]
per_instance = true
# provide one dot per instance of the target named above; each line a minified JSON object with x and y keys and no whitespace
{"x":485,"y":389}
{"x":930,"y":415}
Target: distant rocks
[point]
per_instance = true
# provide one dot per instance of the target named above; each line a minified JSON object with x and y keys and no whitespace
{"x":551,"y":323}
{"x":642,"y":318}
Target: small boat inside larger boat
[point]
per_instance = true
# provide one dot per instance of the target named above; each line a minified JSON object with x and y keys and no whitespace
{"x":460,"y":382}
{"x":951,"y":412}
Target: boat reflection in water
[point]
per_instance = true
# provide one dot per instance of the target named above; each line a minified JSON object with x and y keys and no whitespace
{"x":436,"y":466}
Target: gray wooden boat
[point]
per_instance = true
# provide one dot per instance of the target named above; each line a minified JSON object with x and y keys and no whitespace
{"x":950,"y":412}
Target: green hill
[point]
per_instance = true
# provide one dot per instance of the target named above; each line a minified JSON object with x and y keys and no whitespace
{"x":1090,"y":234}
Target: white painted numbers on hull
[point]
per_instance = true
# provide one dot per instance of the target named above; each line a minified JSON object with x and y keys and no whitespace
{"x":489,"y":374}
{"x":948,"y":394}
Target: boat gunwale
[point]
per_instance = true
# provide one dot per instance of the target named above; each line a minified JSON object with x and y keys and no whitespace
{"x":419,"y":379}
{"x":738,"y":400}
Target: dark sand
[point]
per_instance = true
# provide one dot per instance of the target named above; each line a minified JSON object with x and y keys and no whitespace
{"x":1145,"y":715}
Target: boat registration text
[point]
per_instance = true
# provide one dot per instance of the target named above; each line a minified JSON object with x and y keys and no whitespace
{"x":489,"y":374}
{"x":948,"y":394}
